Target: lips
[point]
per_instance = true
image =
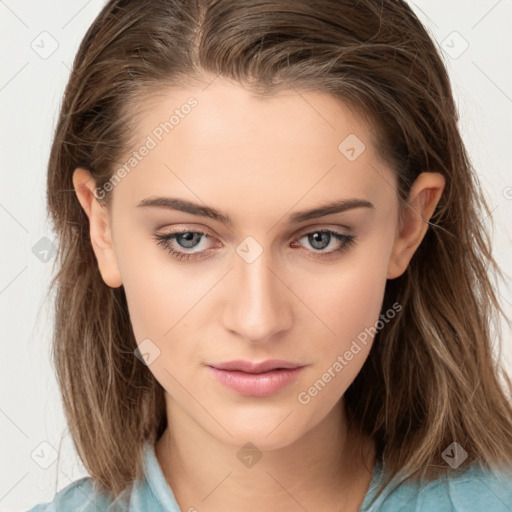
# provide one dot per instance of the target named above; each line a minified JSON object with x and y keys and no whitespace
{"x":250,"y":367}
{"x":256,"y":379}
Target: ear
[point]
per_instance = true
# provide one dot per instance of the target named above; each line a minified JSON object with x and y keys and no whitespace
{"x":421,"y":204}
{"x":99,"y":224}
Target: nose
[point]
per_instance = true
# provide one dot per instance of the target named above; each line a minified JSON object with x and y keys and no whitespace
{"x":259,"y":303}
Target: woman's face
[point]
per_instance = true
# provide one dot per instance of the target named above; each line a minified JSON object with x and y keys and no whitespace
{"x":263,"y":274}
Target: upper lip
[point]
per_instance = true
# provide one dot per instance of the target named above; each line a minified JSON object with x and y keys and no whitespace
{"x":250,"y":367}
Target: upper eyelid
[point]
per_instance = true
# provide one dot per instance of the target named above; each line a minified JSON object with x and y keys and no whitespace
{"x":300,"y":232}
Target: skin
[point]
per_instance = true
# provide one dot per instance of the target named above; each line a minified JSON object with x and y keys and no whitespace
{"x":257,"y":160}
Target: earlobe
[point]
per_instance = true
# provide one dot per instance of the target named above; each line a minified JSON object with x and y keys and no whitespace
{"x":99,"y":227}
{"x":421,"y":204}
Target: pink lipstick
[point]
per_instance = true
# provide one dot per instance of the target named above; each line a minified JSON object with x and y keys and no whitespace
{"x":256,"y":379}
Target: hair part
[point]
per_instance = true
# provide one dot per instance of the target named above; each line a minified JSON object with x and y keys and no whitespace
{"x":430,"y":378}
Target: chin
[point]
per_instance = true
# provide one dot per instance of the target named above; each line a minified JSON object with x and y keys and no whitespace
{"x":261,"y":440}
{"x":269,"y":432}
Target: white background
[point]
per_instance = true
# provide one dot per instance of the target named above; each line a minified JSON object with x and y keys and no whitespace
{"x":30,"y":93}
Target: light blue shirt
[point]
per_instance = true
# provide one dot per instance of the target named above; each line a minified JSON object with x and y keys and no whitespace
{"x":471,"y":490}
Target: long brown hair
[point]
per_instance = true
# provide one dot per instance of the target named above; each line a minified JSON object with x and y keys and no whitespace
{"x":430,"y":378}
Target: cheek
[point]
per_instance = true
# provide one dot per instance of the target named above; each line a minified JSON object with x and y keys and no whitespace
{"x":160,"y":292}
{"x":159,"y":297}
{"x":160,"y":300}
{"x":348,"y":297}
{"x":350,"y":311}
{"x":348,"y":301}
{"x":150,"y":297}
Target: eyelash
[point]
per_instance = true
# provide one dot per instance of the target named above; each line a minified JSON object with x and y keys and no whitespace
{"x":165,"y":239}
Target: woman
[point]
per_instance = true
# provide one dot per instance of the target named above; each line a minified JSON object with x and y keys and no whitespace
{"x":274,"y":289}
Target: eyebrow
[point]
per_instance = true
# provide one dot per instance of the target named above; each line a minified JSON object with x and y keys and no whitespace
{"x":207,"y":211}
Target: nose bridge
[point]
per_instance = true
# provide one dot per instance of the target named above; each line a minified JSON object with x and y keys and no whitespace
{"x":257,"y":307}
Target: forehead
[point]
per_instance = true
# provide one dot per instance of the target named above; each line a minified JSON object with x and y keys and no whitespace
{"x":224,"y":139}
{"x":223,"y":107}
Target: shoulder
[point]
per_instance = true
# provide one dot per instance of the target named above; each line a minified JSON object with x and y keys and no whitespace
{"x":476,"y":489}
{"x":470,"y":490}
{"x":79,"y":496}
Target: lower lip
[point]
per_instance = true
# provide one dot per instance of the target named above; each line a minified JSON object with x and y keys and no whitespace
{"x":256,"y":384}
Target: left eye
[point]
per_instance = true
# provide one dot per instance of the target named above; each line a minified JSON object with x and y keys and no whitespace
{"x":319,"y":240}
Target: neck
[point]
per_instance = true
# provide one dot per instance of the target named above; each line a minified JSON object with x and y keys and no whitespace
{"x":325,"y":469}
